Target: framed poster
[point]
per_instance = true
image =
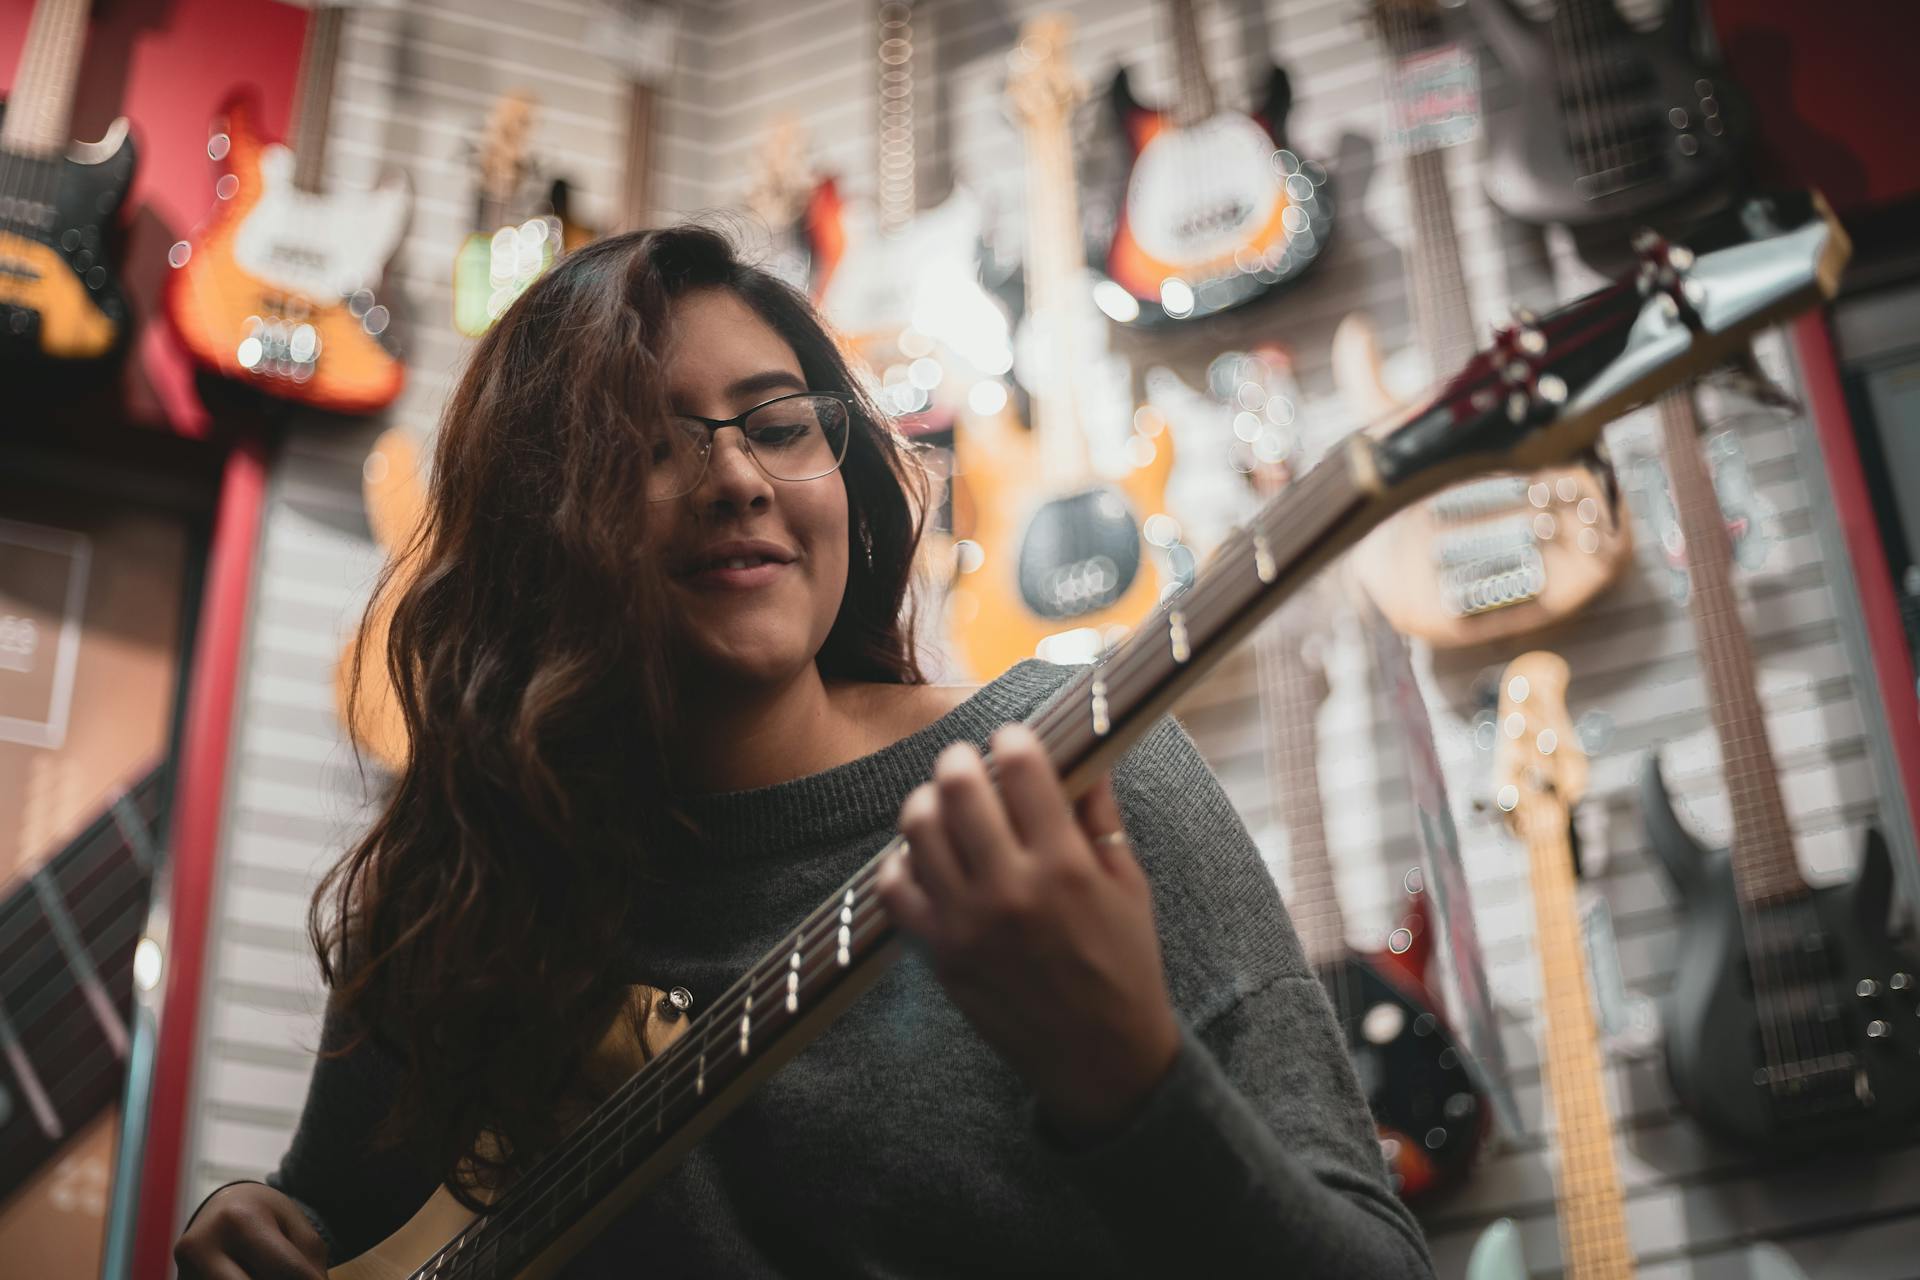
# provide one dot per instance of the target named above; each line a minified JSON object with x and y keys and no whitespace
{"x":43,"y":595}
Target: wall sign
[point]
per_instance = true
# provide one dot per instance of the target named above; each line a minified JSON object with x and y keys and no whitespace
{"x":43,"y":591}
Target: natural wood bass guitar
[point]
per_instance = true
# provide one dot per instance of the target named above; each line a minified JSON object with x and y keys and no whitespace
{"x":1503,"y":555}
{"x":1540,"y":394}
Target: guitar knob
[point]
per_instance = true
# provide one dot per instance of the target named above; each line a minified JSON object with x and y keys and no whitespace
{"x":1878,"y":1029}
{"x":1900,"y":982}
{"x":1866,"y":988}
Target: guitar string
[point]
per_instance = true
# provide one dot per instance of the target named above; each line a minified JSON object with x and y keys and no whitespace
{"x":815,"y":937}
{"x":1061,"y":714}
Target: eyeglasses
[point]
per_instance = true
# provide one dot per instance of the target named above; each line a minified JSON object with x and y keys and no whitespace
{"x":796,"y":437}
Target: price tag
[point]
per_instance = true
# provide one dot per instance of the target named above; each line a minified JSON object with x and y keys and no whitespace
{"x":1435,"y":101}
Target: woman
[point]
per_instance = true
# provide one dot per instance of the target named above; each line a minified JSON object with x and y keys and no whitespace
{"x":662,"y":701}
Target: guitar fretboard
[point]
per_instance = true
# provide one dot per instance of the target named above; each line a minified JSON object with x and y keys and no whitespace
{"x":40,"y":108}
{"x":1763,"y":860}
{"x":313,"y":101}
{"x":67,"y":936}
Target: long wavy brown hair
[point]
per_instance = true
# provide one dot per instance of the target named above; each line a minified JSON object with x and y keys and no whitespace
{"x":476,"y":930}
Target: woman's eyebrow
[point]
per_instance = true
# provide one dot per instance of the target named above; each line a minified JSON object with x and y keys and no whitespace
{"x":769,"y":380}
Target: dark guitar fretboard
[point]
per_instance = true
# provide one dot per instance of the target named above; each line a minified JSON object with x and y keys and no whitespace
{"x":68,"y":931}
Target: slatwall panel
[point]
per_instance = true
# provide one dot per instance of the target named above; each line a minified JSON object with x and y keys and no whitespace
{"x":414,"y":88}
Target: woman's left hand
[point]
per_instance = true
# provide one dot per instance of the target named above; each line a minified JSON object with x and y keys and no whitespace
{"x":1040,"y":925}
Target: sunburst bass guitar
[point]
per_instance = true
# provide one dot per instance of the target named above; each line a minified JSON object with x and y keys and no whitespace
{"x":1057,"y":549}
{"x":1524,"y":403}
{"x":278,"y":288}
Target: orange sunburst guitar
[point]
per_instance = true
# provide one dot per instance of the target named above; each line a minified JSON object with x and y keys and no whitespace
{"x":276,"y":289}
{"x":1057,"y":548}
{"x":58,"y":203}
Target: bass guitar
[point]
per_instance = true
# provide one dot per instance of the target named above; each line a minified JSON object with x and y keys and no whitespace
{"x":1540,"y":775}
{"x":1521,"y":403}
{"x":1217,"y":209}
{"x":1430,"y":1117}
{"x":1057,"y":557}
{"x":277,"y":288}
{"x":1793,"y":1019}
{"x":1607,"y":122}
{"x":1504,"y":555}
{"x":59,"y":203}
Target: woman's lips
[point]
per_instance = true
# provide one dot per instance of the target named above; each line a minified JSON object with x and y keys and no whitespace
{"x":722,"y":578}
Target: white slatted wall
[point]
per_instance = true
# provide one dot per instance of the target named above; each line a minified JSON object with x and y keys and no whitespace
{"x":414,"y":89}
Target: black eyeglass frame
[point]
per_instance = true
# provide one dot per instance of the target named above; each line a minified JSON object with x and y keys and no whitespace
{"x":739,"y":420}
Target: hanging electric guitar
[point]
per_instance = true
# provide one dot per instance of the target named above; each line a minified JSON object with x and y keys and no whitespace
{"x":1218,"y":210}
{"x":1527,"y":401}
{"x":1793,"y":1020}
{"x":276,"y":289}
{"x":504,"y":254}
{"x":1505,"y":555}
{"x":68,"y":930}
{"x":1057,"y":546}
{"x":1539,"y":776}
{"x":59,"y":202}
{"x":1606,"y":122}
{"x":1428,"y":1113}
{"x":802,"y":211}
{"x":638,"y":36}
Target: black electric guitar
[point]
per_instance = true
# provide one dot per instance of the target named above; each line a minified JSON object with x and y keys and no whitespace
{"x":1606,"y":122}
{"x":1793,"y":1020}
{"x":59,"y":297}
{"x":1217,"y":210}
{"x":1428,"y":1113}
{"x":1540,"y":394}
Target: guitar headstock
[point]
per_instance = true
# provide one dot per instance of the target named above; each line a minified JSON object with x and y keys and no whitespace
{"x":1539,"y":396}
{"x":783,"y":173}
{"x":1042,"y":86}
{"x":503,"y":145}
{"x":1537,"y":749}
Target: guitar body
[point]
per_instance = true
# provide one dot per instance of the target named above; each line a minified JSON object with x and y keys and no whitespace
{"x":59,"y":298}
{"x":1845,"y":1083}
{"x":272,"y":260}
{"x":1430,"y":1116}
{"x":1051,"y":561}
{"x":1625,"y":122}
{"x":1212,"y":205}
{"x":1488,"y":560}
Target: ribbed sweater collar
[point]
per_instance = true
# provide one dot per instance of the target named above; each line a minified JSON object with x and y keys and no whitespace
{"x":864,"y":795}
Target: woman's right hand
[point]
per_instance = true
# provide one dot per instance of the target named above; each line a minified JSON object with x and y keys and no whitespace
{"x":249,"y":1231}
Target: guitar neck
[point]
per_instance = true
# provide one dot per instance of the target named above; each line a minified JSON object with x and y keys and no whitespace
{"x":1443,"y":316}
{"x":313,"y":102}
{"x":1289,"y":701}
{"x":68,"y":932}
{"x":896,"y":191}
{"x":1443,"y":319}
{"x":40,"y":109}
{"x":1197,"y":101}
{"x":1763,"y":860}
{"x":1593,"y":1227}
{"x":636,"y":180}
{"x":1054,"y":302}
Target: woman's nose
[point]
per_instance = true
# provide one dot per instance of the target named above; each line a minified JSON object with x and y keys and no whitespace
{"x":733,"y":477}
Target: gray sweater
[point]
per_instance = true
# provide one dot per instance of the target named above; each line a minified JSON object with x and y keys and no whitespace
{"x":899,"y":1144}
